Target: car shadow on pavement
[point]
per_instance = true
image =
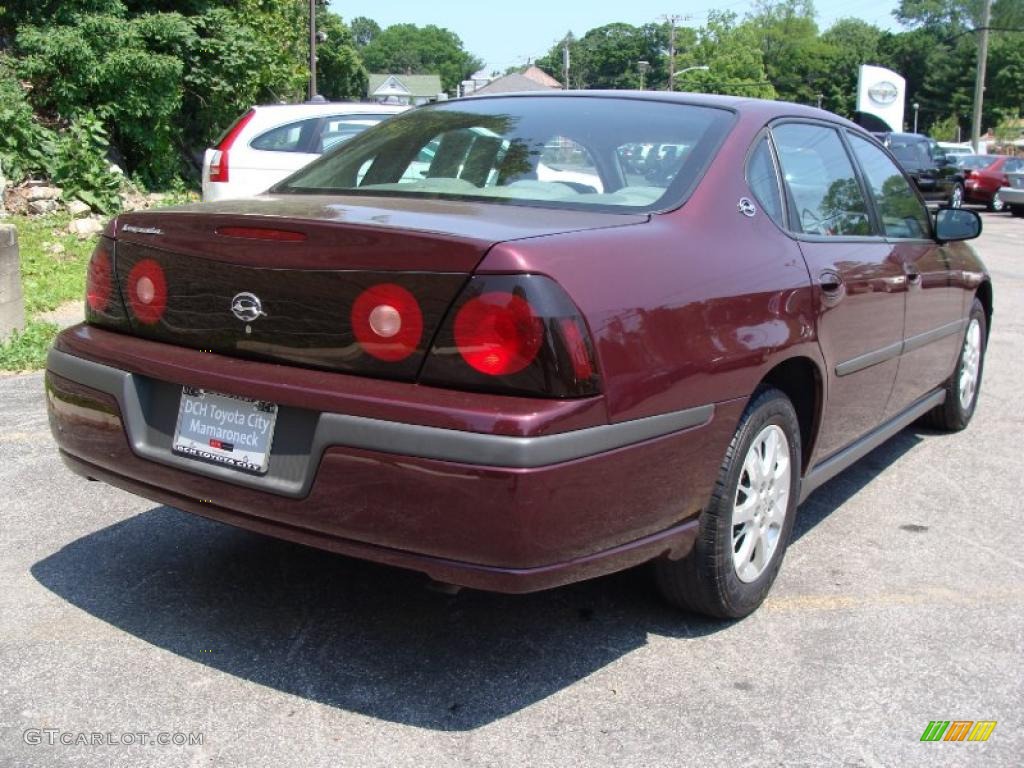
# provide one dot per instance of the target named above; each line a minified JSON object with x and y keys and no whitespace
{"x":351,"y":634}
{"x":372,"y":639}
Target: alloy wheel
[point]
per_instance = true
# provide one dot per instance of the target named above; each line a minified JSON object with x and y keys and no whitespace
{"x":970,"y":365}
{"x":956,"y":200}
{"x":760,"y":503}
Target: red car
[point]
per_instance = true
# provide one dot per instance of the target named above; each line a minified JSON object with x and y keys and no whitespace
{"x":511,"y":383}
{"x":985,"y":174}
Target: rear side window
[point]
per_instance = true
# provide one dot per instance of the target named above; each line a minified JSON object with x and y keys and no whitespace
{"x":822,"y":184}
{"x":902,"y":213}
{"x":293,"y":137}
{"x":1013,"y":165}
{"x":764,"y":182}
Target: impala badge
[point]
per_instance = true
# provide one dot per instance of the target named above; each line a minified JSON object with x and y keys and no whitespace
{"x":247,"y":307}
{"x":746,"y":207}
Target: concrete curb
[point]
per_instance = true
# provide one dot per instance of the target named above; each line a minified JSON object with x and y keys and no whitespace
{"x":12,"y":303}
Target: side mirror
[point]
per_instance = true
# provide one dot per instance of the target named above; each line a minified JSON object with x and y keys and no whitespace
{"x":956,"y":224}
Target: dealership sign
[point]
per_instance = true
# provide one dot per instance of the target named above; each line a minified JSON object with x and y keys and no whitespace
{"x":882,"y":93}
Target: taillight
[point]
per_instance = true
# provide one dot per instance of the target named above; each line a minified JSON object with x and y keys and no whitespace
{"x":99,"y":281}
{"x":516,"y":334}
{"x":1004,"y":181}
{"x":147,"y":291}
{"x":103,"y":305}
{"x":219,"y":159}
{"x":497,"y":333}
{"x":387,"y":322}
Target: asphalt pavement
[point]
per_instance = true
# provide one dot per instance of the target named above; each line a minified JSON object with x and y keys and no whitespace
{"x":901,"y":601}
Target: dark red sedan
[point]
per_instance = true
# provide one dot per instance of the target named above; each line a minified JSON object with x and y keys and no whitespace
{"x":475,"y":343}
{"x":985,"y":174}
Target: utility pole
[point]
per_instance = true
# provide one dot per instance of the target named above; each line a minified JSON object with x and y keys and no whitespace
{"x":312,"y":49}
{"x":565,"y":62}
{"x":979,"y":81}
{"x":672,"y":20}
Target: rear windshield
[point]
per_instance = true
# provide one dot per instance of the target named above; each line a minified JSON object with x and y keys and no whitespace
{"x":564,"y":152}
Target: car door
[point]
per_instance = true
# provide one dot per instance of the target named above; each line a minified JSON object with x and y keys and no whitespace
{"x":934,"y":304}
{"x":859,"y":284}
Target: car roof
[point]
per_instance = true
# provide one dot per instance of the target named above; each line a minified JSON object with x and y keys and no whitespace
{"x":765,"y":108}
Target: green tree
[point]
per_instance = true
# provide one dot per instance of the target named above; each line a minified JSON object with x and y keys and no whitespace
{"x":946,"y":129}
{"x":849,"y":43}
{"x":340,"y":72}
{"x":793,"y":53}
{"x":734,"y":60}
{"x":411,"y":50}
{"x":364,"y":30}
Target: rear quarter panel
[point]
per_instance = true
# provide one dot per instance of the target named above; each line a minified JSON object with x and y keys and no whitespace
{"x":694,"y":306}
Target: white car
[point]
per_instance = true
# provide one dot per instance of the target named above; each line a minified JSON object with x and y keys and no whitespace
{"x":268,"y":143}
{"x":1012,"y":194}
{"x":954,"y":148}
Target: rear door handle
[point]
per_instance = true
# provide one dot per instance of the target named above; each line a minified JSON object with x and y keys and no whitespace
{"x":913,"y":276}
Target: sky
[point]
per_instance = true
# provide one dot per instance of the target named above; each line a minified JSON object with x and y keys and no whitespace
{"x":504,"y":39}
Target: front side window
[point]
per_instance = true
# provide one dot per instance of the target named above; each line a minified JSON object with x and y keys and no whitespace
{"x":554,"y":151}
{"x":826,"y":195}
{"x":902,"y":213}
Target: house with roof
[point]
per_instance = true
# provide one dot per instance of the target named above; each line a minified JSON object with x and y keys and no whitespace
{"x":530,"y":79}
{"x":404,"y":89}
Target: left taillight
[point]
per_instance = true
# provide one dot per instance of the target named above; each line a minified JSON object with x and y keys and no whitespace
{"x":514,"y":334}
{"x":103,"y":304}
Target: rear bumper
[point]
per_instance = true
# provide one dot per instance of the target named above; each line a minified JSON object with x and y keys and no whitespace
{"x":493,"y":511}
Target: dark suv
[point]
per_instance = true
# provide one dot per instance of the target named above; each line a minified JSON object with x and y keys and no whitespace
{"x":935,"y":173}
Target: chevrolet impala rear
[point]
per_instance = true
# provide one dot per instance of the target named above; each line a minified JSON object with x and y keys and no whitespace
{"x":484,"y":341}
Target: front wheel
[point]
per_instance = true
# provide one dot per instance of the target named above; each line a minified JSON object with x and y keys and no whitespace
{"x":963,"y":386}
{"x":745,"y":529}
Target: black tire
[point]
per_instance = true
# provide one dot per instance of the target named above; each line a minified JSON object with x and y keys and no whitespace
{"x":953,"y":415}
{"x":956,"y":196}
{"x":706,"y":579}
{"x":1016,"y":210}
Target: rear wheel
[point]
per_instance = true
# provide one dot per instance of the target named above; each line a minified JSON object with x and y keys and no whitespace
{"x":1017,"y":210}
{"x":745,"y":529}
{"x":963,"y":386}
{"x":996,"y":205}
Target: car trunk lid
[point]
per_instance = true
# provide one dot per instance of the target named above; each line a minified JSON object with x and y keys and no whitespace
{"x":280,"y":279}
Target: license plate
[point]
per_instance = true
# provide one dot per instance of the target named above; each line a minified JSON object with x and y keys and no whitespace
{"x":236,"y":432}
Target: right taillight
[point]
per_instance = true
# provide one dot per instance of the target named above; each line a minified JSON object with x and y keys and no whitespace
{"x":517,"y":334}
{"x":219,"y":171}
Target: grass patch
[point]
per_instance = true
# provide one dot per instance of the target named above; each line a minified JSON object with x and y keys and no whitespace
{"x":50,"y":279}
{"x":26,"y":350}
